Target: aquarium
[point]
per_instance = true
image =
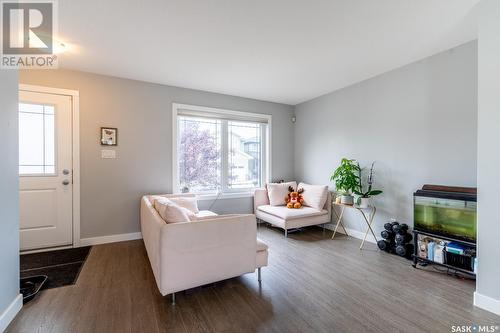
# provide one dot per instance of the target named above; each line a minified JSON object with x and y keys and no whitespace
{"x":453,"y":217}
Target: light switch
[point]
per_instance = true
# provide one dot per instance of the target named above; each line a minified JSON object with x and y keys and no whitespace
{"x":107,"y":153}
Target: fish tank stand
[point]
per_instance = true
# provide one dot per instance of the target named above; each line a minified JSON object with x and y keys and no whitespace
{"x":446,"y":216}
{"x":424,"y":261}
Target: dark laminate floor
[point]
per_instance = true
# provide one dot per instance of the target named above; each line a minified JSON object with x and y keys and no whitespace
{"x":312,"y":284}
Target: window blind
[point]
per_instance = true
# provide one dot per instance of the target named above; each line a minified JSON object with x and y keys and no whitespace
{"x":226,"y":115}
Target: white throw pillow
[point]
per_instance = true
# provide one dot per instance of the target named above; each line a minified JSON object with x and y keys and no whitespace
{"x":315,"y":196}
{"x":162,"y":198}
{"x":153,"y":199}
{"x":170,"y":212}
{"x":277,"y":192}
{"x":190,"y":203}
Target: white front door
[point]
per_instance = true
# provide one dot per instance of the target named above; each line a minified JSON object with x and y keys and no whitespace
{"x":45,"y":170}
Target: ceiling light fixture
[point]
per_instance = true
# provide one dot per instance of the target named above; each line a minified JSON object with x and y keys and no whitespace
{"x":59,"y":47}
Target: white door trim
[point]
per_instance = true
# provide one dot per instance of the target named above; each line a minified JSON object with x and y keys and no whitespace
{"x":75,"y":111}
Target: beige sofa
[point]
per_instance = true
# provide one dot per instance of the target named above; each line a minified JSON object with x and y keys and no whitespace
{"x":191,"y":254}
{"x":286,"y":218}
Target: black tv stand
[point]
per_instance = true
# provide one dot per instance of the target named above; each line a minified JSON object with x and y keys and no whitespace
{"x":417,"y":259}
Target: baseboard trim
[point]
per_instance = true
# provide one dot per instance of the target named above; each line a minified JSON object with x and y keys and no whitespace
{"x":352,"y":232}
{"x":10,"y":313}
{"x":110,"y":239}
{"x":487,"y":303}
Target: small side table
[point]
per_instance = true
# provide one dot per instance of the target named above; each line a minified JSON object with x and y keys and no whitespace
{"x":367,"y":218}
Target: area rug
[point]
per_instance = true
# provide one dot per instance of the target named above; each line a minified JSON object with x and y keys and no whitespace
{"x":61,"y":267}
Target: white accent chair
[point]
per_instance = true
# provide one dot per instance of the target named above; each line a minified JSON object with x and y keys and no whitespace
{"x":286,"y":218}
{"x":191,"y":254}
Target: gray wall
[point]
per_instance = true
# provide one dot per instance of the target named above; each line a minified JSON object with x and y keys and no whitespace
{"x":9,"y":212}
{"x":142,"y":112}
{"x":488,"y":278}
{"x":417,"y":122}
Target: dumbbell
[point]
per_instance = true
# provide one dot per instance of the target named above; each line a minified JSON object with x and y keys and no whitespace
{"x":395,"y":226}
{"x":404,"y":250}
{"x":403,"y":238}
{"x":389,"y":225}
{"x":389,"y":235}
{"x":384,"y":245}
{"x":400,"y":228}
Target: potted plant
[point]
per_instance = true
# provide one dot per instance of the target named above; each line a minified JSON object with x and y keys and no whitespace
{"x":346,"y":179}
{"x":365,"y":196}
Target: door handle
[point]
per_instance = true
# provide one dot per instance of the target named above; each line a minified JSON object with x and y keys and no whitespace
{"x":65,"y":182}
{"x":65,"y":172}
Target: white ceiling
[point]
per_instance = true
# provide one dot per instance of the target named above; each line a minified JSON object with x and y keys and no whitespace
{"x":284,"y":51}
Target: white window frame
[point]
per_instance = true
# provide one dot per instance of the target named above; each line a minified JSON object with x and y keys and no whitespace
{"x":44,"y":174}
{"x":238,"y":116}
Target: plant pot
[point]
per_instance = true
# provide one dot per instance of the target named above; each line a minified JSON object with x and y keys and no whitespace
{"x":347,"y":200}
{"x":364,"y":202}
{"x":356,"y":198}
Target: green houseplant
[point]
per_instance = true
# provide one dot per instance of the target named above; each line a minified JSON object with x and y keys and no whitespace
{"x":365,"y":196}
{"x":346,"y":179}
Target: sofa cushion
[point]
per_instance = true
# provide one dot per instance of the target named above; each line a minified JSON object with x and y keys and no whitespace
{"x":153,"y":199}
{"x":170,"y":212}
{"x":277,"y":192}
{"x":205,"y":213}
{"x":290,"y":214}
{"x":190,"y":203}
{"x":314,"y":195}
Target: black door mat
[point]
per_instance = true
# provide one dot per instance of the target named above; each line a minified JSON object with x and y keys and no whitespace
{"x":61,"y":267}
{"x":30,"y":286}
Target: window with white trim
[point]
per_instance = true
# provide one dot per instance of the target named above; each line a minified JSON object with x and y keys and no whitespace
{"x":219,"y":150}
{"x":36,"y":139}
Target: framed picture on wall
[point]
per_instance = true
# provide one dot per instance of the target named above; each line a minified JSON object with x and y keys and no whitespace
{"x":109,"y":136}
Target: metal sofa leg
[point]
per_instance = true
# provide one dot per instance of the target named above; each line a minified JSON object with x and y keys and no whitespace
{"x":259,"y":276}
{"x":173,"y":298}
{"x":286,"y":233}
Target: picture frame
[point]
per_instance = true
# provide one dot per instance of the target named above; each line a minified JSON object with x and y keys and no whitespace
{"x":109,"y":136}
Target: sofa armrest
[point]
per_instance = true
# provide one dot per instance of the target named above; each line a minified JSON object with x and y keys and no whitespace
{"x":328,"y":204}
{"x":260,"y":198}
{"x":201,"y":252}
{"x":151,"y":225}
